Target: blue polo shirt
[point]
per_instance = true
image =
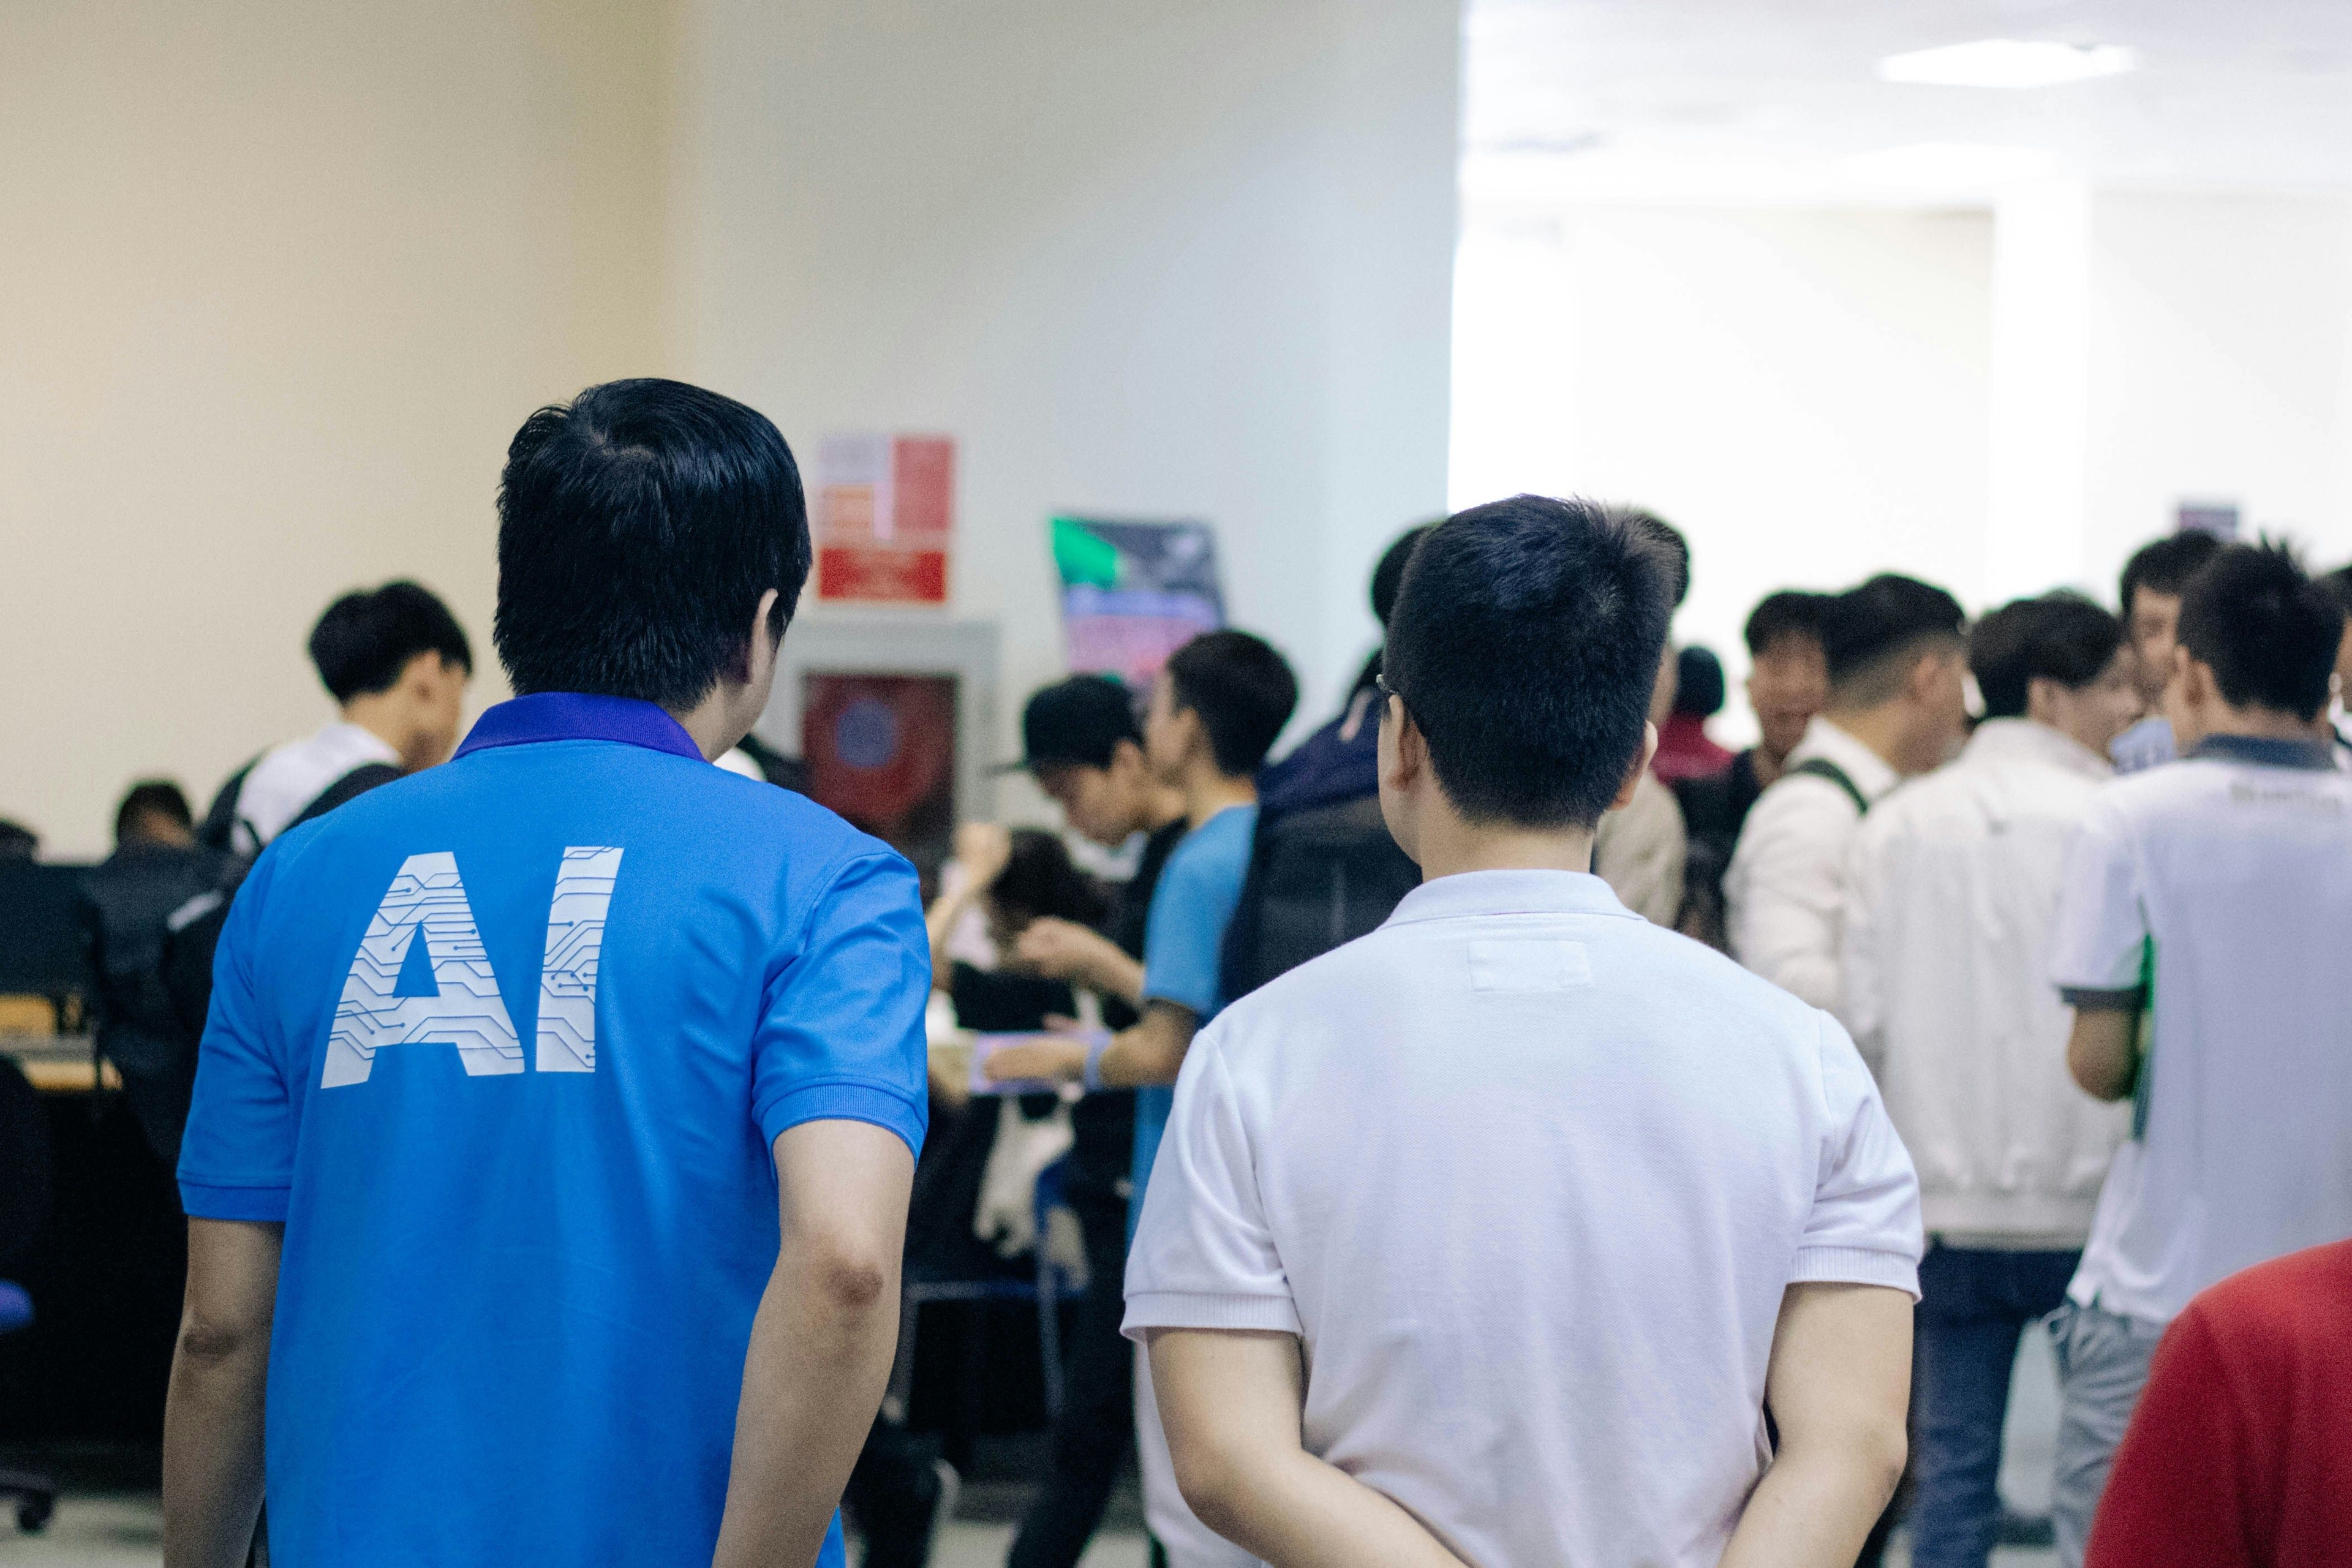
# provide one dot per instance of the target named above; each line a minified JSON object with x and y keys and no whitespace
{"x":505,"y":1045}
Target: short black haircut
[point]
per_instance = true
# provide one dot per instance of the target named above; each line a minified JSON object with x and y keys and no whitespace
{"x":1698,"y":682}
{"x":1243,"y":690}
{"x":152,"y":797}
{"x":1872,"y":634}
{"x":1526,"y":647}
{"x":2165,"y":565}
{"x":2062,"y":636}
{"x":637,"y":529}
{"x":1792,"y":612}
{"x":1678,"y":548}
{"x":367,"y":638}
{"x":2269,"y":632}
{"x":1040,"y":880}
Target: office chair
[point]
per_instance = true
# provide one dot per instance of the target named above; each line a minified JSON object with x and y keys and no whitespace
{"x":25,"y":1196}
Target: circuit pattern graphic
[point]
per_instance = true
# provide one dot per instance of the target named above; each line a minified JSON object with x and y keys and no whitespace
{"x":567,"y":979}
{"x":426,"y":897}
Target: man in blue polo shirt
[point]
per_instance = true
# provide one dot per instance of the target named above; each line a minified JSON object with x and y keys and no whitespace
{"x":556,"y":1113}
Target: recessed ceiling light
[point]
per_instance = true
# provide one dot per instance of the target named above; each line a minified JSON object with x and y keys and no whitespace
{"x":2008,"y":62}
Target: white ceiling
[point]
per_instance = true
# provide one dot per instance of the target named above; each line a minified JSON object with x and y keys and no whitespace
{"x":1776,"y":99}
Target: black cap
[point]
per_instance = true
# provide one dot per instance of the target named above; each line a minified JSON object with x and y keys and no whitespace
{"x":1079,"y":721}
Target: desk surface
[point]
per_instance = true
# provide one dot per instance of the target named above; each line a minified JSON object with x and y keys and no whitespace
{"x":59,"y":1064}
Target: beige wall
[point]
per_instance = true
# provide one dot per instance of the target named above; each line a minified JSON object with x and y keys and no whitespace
{"x":277,"y":280}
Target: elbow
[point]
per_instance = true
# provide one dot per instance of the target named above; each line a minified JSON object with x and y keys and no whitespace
{"x":1214,"y":1484}
{"x":852,"y":1275}
{"x":208,"y":1340}
{"x":1880,"y":1455}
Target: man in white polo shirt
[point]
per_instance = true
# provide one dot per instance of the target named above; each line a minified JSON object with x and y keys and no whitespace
{"x":1896,"y":657}
{"x":1552,"y":1201}
{"x":2210,"y":901}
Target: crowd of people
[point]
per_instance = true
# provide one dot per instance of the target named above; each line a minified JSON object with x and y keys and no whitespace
{"x":1511,"y":1127}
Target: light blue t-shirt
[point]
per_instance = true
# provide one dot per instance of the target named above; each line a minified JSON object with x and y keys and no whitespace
{"x":2146,"y":744}
{"x":1183,"y":945}
{"x":504,"y":1046}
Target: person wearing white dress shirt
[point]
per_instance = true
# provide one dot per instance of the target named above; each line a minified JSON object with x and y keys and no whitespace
{"x":1896,"y":655}
{"x":1953,"y":888}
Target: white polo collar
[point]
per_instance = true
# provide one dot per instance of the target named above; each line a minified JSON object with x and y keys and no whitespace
{"x":2023,"y":739}
{"x":1871,"y":774}
{"x":1472,"y":894}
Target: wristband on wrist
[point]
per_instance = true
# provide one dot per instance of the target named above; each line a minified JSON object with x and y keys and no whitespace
{"x":1093,"y":1074}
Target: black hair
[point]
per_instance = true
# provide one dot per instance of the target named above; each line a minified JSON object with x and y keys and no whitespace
{"x":2062,"y":636}
{"x":1678,"y":548}
{"x":17,"y":842}
{"x":2165,"y":565}
{"x":1242,"y":689}
{"x":1698,"y":682}
{"x":1387,"y":578}
{"x":1388,"y":575}
{"x":366,"y":639}
{"x":2269,"y":632}
{"x":2339,"y":582}
{"x":1792,"y":612}
{"x":637,"y":529}
{"x":1040,"y":879}
{"x":152,"y":797}
{"x":1870,"y":634}
{"x":1526,"y":647}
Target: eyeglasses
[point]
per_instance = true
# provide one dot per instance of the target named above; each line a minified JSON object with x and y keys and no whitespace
{"x":1380,"y":683}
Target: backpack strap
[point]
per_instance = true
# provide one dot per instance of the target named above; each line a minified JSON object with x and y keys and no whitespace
{"x":1822,"y":768}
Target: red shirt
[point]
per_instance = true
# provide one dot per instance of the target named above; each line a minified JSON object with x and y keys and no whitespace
{"x":1684,"y":750}
{"x":2240,"y":1452}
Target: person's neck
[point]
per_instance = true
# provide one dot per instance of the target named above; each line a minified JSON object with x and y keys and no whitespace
{"x":714,"y":724}
{"x":1879,"y":728}
{"x":375,"y":715}
{"x":1164,"y":806}
{"x":1207,"y":792}
{"x":2260,"y":724}
{"x":1768,"y":765}
{"x":1450,"y":846}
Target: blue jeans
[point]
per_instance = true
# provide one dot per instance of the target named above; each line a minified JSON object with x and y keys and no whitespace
{"x":1973,"y":1307}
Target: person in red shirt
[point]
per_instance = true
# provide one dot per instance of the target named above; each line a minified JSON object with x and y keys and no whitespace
{"x":2240,"y":1454}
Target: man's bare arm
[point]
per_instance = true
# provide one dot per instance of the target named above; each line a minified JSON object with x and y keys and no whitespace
{"x":1152,"y":1051}
{"x":822,"y":1340}
{"x":2102,"y":1052}
{"x":220,"y":1372}
{"x":1839,"y":1384}
{"x":1231,"y":1402}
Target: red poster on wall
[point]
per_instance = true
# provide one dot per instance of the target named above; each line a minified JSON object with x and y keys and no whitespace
{"x":886,"y":510}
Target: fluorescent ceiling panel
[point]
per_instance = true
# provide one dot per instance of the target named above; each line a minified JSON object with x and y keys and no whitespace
{"x":2008,"y":63}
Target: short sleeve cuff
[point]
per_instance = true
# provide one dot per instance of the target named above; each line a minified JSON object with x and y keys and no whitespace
{"x":2095,"y":999}
{"x":845,"y":1100}
{"x":1205,"y":1310}
{"x":1856,"y":1266}
{"x":207,"y":1200}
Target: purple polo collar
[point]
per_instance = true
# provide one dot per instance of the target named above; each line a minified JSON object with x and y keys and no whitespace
{"x":578,"y":716}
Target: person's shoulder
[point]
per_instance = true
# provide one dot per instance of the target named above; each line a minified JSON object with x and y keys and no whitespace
{"x":2273,"y":1308}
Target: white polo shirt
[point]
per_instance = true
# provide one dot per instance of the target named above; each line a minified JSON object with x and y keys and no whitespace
{"x":1784,"y":892}
{"x":2218,"y":891}
{"x":1528,"y":1176}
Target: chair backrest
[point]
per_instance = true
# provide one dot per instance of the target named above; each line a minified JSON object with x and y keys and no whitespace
{"x":25,"y":1178}
{"x":16,"y":1307}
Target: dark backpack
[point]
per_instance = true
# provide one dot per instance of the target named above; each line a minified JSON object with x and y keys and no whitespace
{"x":136,"y":905}
{"x":1318,"y":876}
